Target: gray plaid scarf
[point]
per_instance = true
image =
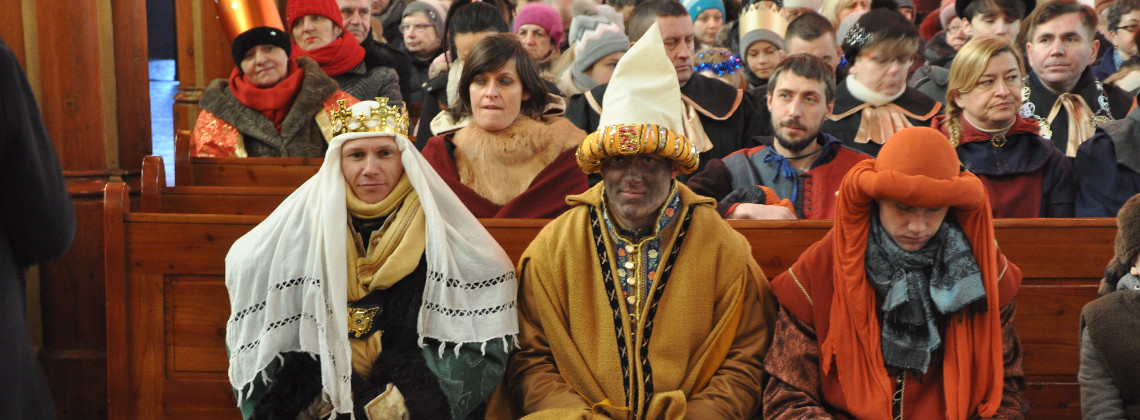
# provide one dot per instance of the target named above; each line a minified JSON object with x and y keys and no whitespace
{"x":943,"y":276}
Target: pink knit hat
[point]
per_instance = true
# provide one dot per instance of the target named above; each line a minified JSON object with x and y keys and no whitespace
{"x":543,"y":15}
{"x":296,"y":9}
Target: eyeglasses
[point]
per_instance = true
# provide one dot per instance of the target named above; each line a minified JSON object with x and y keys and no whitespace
{"x":1129,"y":28}
{"x":419,"y":27}
{"x":886,"y":61}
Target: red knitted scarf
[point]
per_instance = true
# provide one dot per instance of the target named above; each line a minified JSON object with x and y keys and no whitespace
{"x":338,"y":57}
{"x":273,"y":101}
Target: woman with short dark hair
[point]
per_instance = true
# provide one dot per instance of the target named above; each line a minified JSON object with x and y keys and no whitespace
{"x":507,"y":158}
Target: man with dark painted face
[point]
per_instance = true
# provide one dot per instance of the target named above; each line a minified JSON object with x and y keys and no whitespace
{"x":639,"y":250}
{"x":802,"y":165}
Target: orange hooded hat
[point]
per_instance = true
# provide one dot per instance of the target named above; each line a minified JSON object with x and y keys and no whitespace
{"x":917,"y":167}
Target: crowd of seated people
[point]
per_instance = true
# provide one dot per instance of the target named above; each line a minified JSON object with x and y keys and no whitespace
{"x":537,"y":114}
{"x":887,"y":75}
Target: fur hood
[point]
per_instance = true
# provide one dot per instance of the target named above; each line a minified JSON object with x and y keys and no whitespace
{"x":297,"y":131}
{"x":501,"y":165}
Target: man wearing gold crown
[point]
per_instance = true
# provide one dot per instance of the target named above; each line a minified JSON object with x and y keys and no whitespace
{"x":717,"y":118}
{"x":639,"y":301}
{"x":370,"y":290}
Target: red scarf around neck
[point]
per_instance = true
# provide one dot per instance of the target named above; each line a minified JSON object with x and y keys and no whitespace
{"x":338,"y":57}
{"x":970,"y":134}
{"x":273,"y":101}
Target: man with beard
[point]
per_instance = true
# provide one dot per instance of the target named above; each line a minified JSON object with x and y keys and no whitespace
{"x":803,"y":165}
{"x":357,"y":15}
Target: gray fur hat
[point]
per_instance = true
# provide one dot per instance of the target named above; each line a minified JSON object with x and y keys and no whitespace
{"x":1126,"y":247}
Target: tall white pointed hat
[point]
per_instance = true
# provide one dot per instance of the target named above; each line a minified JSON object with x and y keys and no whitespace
{"x":642,"y":110}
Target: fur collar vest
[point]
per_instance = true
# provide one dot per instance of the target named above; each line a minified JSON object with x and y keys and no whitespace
{"x":500,"y":165}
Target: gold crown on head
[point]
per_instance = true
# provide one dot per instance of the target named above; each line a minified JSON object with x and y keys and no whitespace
{"x":382,"y":118}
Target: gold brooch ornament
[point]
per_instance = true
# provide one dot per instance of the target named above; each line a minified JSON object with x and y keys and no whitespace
{"x":360,"y":321}
{"x":377,"y":117}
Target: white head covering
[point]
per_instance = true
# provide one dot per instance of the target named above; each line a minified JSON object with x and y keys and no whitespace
{"x":646,"y":89}
{"x":287,"y":277}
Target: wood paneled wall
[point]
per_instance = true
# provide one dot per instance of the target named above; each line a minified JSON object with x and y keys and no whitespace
{"x":87,"y":63}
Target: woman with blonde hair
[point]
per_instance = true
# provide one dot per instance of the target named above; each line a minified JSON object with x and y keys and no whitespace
{"x":1024,"y":174}
{"x":836,"y":10}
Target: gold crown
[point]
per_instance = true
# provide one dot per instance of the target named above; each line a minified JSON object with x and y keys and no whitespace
{"x":759,"y":15}
{"x":382,"y":118}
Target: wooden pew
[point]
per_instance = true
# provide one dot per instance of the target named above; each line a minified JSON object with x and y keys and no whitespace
{"x":239,"y":172}
{"x":167,"y":303}
{"x":157,"y":197}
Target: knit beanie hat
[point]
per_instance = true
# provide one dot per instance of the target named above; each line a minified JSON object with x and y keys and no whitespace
{"x":878,"y":25}
{"x":261,"y":35}
{"x":697,"y":6}
{"x":758,"y":35}
{"x":595,"y":38}
{"x":543,"y":15}
{"x":1127,"y":245}
{"x":612,"y":15}
{"x":251,"y":23}
{"x":433,"y":9}
{"x":296,"y":9}
{"x":906,"y":3}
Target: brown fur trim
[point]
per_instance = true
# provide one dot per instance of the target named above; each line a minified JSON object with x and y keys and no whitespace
{"x":501,"y":165}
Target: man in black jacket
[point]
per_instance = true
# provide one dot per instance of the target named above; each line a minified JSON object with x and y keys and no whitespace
{"x":1062,"y":92}
{"x":37,"y":224}
{"x":357,"y":16}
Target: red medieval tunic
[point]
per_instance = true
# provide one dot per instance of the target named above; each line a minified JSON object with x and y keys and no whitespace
{"x":826,"y":358}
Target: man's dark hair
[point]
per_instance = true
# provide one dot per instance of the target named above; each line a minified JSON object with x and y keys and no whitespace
{"x":1057,"y":8}
{"x":466,"y":17}
{"x":989,"y":7}
{"x":619,"y":4}
{"x":645,"y":14}
{"x":1118,"y":10}
{"x":808,"y":27}
{"x":809,"y":67}
{"x":491,"y":54}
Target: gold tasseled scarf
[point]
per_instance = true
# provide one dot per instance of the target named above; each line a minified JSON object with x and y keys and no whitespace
{"x":394,"y":251}
{"x":500,"y":165}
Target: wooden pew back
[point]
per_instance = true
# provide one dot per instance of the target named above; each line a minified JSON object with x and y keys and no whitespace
{"x":167,"y":304}
{"x":239,"y":172}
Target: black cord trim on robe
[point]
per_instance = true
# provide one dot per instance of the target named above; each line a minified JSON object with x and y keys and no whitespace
{"x":657,"y":292}
{"x":611,"y":291}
